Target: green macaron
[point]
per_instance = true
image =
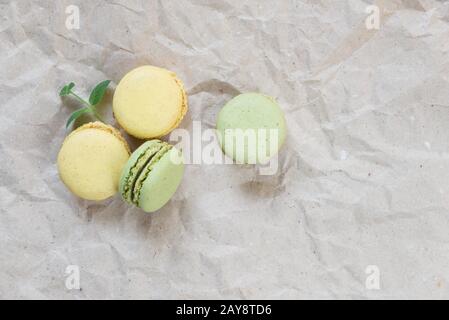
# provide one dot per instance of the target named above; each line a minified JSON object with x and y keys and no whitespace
{"x":251,"y":128}
{"x":152,"y":175}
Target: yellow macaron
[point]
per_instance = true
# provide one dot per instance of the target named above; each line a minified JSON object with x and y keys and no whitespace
{"x":149,"y":102}
{"x":91,"y":160}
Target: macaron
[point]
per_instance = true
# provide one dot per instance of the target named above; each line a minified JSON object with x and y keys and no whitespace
{"x":251,"y":128}
{"x":149,"y":102}
{"x":152,"y":175}
{"x":91,"y":160}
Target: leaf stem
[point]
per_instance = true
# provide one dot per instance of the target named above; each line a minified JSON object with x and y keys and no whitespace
{"x":96,"y":113}
{"x":79,"y":98}
{"x":91,"y":107}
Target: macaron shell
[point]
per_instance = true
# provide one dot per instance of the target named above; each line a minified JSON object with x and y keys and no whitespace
{"x":91,"y":160}
{"x":135,"y":163}
{"x":149,"y":102}
{"x":252,"y":111}
{"x":162,"y":181}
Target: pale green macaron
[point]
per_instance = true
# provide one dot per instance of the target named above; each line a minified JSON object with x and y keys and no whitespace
{"x":251,"y":128}
{"x":152,"y":175}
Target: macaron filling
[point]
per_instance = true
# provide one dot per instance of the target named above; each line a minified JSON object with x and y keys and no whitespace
{"x":136,"y":170}
{"x":152,"y":175}
{"x":146,"y":171}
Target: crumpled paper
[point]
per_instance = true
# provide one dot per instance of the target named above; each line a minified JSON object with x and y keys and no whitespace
{"x":358,"y":208}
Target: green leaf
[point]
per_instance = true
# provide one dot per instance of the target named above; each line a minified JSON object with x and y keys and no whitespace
{"x":76,"y":115}
{"x":67,"y":89}
{"x":97,"y":94}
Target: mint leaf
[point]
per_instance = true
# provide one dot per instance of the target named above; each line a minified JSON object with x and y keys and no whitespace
{"x":67,"y":89}
{"x":97,"y":94}
{"x":95,"y":97}
{"x":78,"y":113}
